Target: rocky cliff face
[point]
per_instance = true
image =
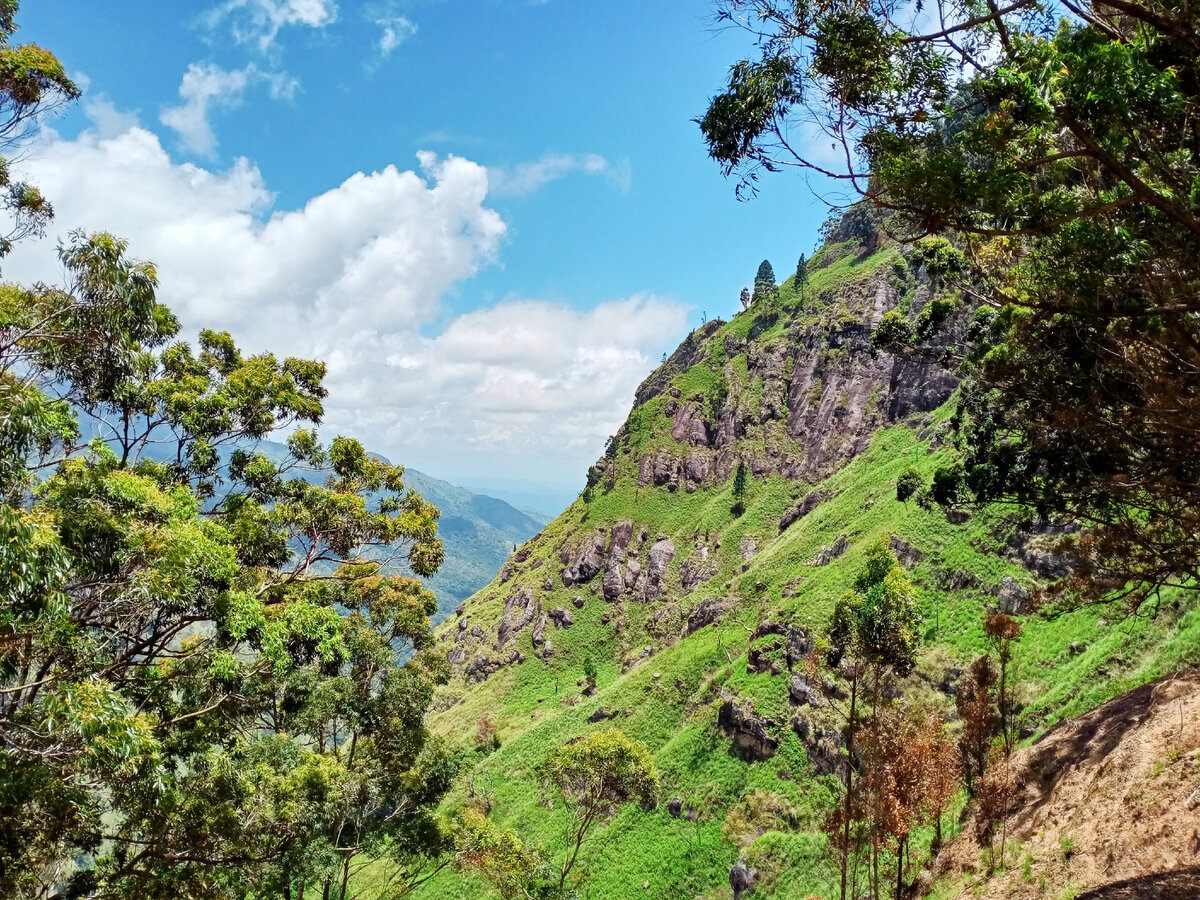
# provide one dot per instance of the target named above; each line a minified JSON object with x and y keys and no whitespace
{"x":794,"y":387}
{"x":790,"y":387}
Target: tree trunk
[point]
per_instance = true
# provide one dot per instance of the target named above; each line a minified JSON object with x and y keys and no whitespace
{"x":345,"y":876}
{"x":849,"y":782}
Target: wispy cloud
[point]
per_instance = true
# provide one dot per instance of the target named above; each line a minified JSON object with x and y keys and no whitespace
{"x":394,"y":31}
{"x":528,"y":177}
{"x":259,"y":22}
{"x":206,"y":87}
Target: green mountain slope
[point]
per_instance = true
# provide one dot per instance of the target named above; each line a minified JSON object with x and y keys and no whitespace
{"x":695,"y":617}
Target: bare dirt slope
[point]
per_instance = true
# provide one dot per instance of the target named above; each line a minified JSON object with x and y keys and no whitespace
{"x":1108,"y":805}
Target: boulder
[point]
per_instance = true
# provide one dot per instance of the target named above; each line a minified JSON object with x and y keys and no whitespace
{"x":622,"y":533}
{"x":614,"y":580}
{"x":906,"y":554}
{"x":821,"y":745}
{"x":708,"y":611}
{"x":539,"y":632}
{"x":661,"y":554}
{"x":481,"y":667}
{"x":649,"y":580}
{"x":690,"y":426}
{"x":561,"y":617}
{"x":675,"y":807}
{"x":801,"y":509}
{"x":632,"y":571}
{"x":800,"y":690}
{"x":741,"y":879}
{"x":577,"y":601}
{"x":519,"y":611}
{"x":695,"y":569}
{"x":697,"y":467}
{"x":748,"y":547}
{"x":828,"y":554}
{"x":1011,"y":598}
{"x":660,"y":468}
{"x":751,"y":740}
{"x":588,"y":560}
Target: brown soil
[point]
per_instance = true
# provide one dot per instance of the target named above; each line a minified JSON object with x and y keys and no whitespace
{"x":1108,"y":806}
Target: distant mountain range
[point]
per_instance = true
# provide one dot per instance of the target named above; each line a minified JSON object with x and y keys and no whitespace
{"x":478,"y":532}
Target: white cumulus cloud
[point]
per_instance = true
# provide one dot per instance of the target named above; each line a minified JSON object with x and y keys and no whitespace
{"x":206,"y":87}
{"x":356,"y":277}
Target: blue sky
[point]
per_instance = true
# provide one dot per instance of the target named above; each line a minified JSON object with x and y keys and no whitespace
{"x":487,"y":308}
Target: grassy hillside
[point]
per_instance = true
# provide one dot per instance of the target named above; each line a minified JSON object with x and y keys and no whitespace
{"x":683,"y":605}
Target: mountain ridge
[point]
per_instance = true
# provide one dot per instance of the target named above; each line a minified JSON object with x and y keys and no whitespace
{"x":695,"y":618}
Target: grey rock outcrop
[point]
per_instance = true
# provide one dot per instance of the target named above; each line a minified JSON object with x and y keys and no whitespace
{"x":708,"y":611}
{"x":810,"y":502}
{"x":519,"y":611}
{"x":906,"y":554}
{"x":690,"y":426}
{"x":648,"y":579}
{"x":828,"y":554}
{"x":662,"y":468}
{"x":741,"y":879}
{"x":775,"y":646}
{"x":539,"y":632}
{"x":822,"y":745}
{"x":1011,"y":598}
{"x":588,"y":559}
{"x":751,"y":739}
{"x":695,"y":569}
{"x":614,"y":579}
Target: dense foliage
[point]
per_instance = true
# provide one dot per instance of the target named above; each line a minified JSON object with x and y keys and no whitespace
{"x":200,"y":686}
{"x":1057,"y":147}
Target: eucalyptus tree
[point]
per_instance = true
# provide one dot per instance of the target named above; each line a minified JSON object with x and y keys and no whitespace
{"x":201,"y":691}
{"x":1053,"y":142}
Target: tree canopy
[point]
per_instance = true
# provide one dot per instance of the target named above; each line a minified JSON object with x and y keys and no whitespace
{"x":201,"y":687}
{"x":765,"y":274}
{"x":1055,"y":145}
